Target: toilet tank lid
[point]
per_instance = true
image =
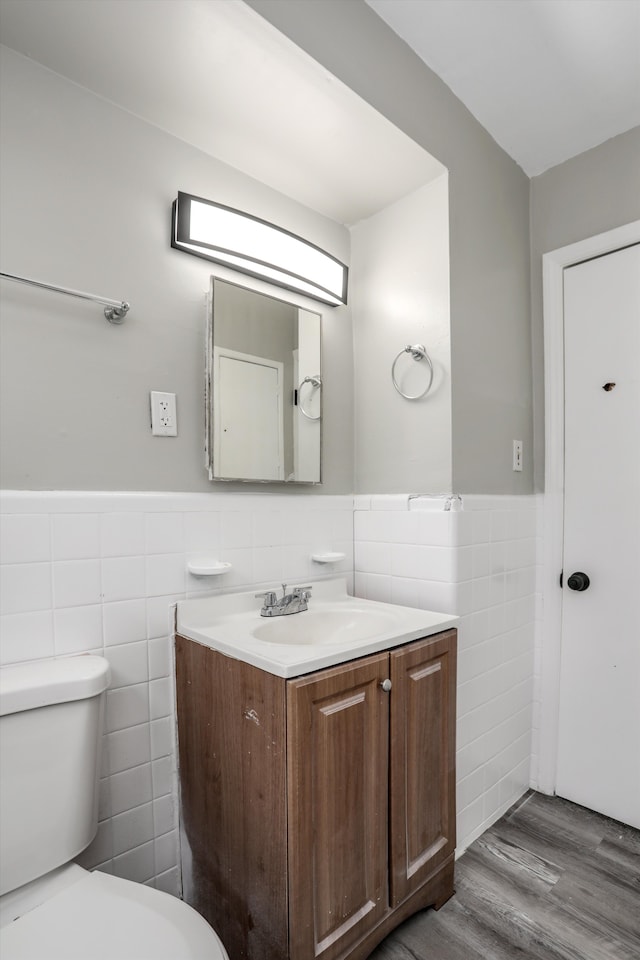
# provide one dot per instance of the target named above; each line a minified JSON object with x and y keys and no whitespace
{"x":39,"y":683}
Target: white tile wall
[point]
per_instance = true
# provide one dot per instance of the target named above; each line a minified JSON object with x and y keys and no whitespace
{"x":100,"y":572}
{"x":478,"y":560}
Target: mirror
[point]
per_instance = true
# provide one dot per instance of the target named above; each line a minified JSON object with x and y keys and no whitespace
{"x":263,"y":387}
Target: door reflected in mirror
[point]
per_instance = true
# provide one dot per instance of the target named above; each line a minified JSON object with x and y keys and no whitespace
{"x":263,"y":387}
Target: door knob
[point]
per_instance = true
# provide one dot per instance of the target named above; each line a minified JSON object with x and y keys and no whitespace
{"x":578,"y":581}
{"x":386,"y":685}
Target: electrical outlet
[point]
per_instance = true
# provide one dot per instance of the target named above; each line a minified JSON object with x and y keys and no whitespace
{"x":164,"y":422}
{"x":517,"y":455}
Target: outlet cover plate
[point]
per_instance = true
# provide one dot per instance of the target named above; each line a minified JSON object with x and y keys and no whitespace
{"x":164,"y":422}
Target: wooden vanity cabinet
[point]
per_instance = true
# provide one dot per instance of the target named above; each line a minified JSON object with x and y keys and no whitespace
{"x":338,"y":787}
{"x":422,"y":763}
{"x":319,"y":811}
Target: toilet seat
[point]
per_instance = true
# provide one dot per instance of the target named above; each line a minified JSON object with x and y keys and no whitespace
{"x":101,"y":917}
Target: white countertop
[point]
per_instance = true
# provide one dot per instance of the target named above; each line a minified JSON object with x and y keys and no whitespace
{"x":336,"y":628}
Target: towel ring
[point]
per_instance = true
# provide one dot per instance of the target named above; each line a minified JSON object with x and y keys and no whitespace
{"x":417,"y":352}
{"x":315,"y":382}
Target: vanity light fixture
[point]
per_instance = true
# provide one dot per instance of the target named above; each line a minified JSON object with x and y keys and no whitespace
{"x":256,"y":247}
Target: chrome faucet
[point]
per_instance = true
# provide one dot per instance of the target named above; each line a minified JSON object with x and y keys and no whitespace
{"x":294,"y":602}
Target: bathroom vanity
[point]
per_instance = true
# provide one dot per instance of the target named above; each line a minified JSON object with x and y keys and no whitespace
{"x":318,"y":795}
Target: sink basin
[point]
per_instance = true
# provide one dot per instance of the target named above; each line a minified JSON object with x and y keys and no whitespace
{"x":336,"y":628}
{"x":325,"y":626}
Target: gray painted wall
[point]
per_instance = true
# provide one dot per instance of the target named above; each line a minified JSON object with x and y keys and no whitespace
{"x":400,"y":296}
{"x":589,"y":194}
{"x":250,"y":323}
{"x":86,"y":192}
{"x":489,"y":231}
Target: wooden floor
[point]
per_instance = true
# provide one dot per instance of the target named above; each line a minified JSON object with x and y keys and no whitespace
{"x":550,"y":881}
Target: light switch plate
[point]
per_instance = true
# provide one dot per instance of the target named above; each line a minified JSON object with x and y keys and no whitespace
{"x":517,"y":455}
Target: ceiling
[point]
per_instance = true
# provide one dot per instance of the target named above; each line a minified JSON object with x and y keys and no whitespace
{"x":547,"y":78}
{"x":218,"y":76}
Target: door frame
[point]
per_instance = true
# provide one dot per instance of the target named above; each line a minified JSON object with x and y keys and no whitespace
{"x":553,"y":266}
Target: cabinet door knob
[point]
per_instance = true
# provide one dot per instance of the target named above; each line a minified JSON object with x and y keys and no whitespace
{"x":386,"y":685}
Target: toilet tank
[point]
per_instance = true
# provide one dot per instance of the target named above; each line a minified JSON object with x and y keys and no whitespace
{"x":51,"y":714}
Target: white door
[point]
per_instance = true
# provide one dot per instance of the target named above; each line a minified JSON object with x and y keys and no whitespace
{"x":599,"y":719}
{"x":247,"y":416}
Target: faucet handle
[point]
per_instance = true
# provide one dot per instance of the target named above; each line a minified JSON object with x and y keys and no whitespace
{"x":299,"y":591}
{"x":269,"y":597}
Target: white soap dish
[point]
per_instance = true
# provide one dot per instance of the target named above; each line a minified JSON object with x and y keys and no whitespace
{"x":207,"y":568}
{"x":327,"y":557}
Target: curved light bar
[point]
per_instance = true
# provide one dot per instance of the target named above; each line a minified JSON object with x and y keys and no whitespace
{"x":256,"y":247}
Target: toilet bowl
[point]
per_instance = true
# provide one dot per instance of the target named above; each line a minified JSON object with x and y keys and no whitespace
{"x":93,"y":916}
{"x":51,"y":908}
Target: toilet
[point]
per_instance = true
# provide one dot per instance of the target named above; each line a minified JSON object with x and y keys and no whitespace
{"x":51,"y":715}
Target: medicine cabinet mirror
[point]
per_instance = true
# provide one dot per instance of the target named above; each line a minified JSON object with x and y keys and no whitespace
{"x":263,"y":387}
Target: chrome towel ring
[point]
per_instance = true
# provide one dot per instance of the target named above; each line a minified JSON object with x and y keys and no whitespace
{"x":417,"y":352}
{"x":316,"y":384}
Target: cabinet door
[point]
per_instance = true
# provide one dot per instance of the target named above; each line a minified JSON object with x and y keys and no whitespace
{"x":337,"y":770}
{"x":422,"y":761}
